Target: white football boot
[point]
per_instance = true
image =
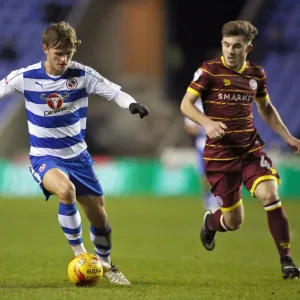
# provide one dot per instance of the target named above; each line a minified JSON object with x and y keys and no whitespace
{"x":113,"y":274}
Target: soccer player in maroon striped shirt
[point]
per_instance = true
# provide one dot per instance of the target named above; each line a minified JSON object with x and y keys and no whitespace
{"x":234,"y":152}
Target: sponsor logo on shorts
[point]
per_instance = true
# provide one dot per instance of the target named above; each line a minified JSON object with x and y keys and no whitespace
{"x":42,"y":167}
{"x":219,"y":201}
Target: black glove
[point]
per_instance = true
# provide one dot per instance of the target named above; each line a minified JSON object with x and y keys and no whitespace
{"x":137,"y":108}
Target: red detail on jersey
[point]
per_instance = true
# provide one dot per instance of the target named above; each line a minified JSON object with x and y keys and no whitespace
{"x":71,"y":83}
{"x":55,"y":100}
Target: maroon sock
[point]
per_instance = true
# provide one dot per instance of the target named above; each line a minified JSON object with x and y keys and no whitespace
{"x":279,"y":227}
{"x":216,"y":222}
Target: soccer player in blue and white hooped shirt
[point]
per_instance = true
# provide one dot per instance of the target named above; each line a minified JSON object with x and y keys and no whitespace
{"x":56,"y":99}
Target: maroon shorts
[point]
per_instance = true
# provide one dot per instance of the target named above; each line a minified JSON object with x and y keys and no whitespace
{"x":227,"y":177}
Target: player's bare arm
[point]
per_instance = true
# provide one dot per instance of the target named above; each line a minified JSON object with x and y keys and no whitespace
{"x":270,"y":115}
{"x":214,"y":130}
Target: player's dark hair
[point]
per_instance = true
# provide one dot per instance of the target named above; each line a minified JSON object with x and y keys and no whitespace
{"x":239,"y":27}
{"x":60,"y":35}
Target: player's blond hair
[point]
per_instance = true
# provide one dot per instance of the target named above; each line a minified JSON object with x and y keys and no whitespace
{"x":60,"y":35}
{"x":239,"y":27}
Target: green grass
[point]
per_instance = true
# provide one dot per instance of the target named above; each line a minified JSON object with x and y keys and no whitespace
{"x":155,"y":244}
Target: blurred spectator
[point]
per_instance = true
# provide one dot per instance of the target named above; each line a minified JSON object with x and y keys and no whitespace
{"x":276,"y":40}
{"x":55,"y":12}
{"x":8,"y":51}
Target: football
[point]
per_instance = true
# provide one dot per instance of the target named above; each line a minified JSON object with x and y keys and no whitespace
{"x":85,"y":270}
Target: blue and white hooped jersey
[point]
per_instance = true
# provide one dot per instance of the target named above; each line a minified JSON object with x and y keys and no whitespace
{"x":56,"y":107}
{"x":201,"y":137}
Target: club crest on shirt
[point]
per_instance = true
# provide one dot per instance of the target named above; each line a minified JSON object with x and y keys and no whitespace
{"x":71,"y":83}
{"x":253,"y":84}
{"x":197,"y":74}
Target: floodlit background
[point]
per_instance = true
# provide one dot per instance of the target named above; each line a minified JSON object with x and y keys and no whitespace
{"x":147,"y":167}
{"x":152,"y":49}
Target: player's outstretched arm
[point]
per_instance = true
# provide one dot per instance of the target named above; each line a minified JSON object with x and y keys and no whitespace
{"x":5,"y":88}
{"x":97,"y":84}
{"x":126,"y":101}
{"x":214,"y":130}
{"x":13,"y":83}
{"x":2,"y":89}
{"x":270,"y":115}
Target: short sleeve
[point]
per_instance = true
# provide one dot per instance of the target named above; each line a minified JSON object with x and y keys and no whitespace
{"x":262,"y":90}
{"x":201,"y":81}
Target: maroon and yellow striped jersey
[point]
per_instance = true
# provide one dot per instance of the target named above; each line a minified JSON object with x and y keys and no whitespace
{"x":227,"y":96}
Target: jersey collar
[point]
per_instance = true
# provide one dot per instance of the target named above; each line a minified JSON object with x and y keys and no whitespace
{"x":242,"y":68}
{"x":52,"y":77}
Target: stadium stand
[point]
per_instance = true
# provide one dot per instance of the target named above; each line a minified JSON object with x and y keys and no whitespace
{"x":23,"y":23}
{"x":282,"y":66}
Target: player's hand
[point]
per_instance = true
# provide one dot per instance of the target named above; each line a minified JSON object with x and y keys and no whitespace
{"x":137,"y":108}
{"x":215,"y":130}
{"x":294,"y":144}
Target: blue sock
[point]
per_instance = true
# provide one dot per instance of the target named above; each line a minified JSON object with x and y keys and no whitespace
{"x":70,"y":222}
{"x":101,"y":237}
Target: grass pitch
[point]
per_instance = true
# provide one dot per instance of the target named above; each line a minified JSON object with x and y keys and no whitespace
{"x":155,"y":244}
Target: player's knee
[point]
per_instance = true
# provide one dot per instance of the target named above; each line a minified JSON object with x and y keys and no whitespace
{"x":232,"y":226}
{"x":234,"y":223}
{"x":268,"y":196}
{"x":66,"y":192}
{"x":267,"y":192}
